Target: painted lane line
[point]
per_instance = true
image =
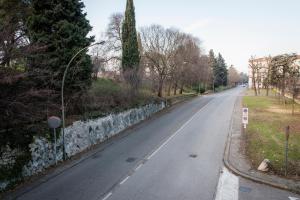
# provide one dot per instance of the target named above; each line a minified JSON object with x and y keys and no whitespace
{"x":107,"y":196}
{"x":159,"y":148}
{"x":124,"y":180}
{"x":138,"y":167}
{"x":228,"y":186}
{"x":176,"y":133}
{"x":293,"y":198}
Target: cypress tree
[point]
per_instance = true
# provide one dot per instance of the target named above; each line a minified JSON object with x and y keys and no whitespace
{"x":58,"y":29}
{"x":130,"y":47}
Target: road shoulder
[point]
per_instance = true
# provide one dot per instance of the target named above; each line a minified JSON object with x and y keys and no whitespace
{"x":235,"y":158}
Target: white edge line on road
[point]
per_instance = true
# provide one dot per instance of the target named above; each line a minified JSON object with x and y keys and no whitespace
{"x":107,"y":196}
{"x":124,"y":180}
{"x":174,"y":134}
{"x":138,"y":167}
{"x":228,"y":186}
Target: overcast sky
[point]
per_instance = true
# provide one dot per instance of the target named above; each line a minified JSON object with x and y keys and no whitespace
{"x":235,"y":28}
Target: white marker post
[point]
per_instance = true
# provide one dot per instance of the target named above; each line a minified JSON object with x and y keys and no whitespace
{"x":245,"y":117}
{"x":54,"y":123}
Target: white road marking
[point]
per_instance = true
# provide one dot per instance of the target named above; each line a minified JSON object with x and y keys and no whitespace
{"x":228,"y":186}
{"x":293,"y":198}
{"x":174,"y":134}
{"x":138,"y":167}
{"x":125,"y":179}
{"x":107,"y":196}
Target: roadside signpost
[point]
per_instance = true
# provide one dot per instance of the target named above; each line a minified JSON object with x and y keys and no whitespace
{"x":54,"y":123}
{"x":245,"y":117}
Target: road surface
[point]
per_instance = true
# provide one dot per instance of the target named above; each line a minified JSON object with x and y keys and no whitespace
{"x":176,"y":155}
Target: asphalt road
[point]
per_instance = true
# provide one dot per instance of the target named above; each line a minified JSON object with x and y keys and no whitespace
{"x":175,"y":155}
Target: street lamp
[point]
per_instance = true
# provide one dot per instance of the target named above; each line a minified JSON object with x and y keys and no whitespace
{"x":62,"y":92}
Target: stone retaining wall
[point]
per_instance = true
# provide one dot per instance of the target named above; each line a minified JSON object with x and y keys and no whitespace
{"x":78,"y":137}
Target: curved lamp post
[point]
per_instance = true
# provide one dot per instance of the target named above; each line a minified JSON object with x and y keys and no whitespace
{"x":62,"y":91}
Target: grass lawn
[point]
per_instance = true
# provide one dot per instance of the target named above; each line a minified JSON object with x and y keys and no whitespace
{"x":265,"y":136}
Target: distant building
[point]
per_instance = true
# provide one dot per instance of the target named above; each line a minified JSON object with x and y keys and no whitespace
{"x":262,"y":70}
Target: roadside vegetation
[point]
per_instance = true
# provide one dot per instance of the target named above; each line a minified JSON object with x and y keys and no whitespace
{"x":109,"y":96}
{"x":265,"y":134}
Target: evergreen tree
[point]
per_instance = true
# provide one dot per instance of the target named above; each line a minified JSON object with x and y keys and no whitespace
{"x":13,"y":41}
{"x":213,"y":65}
{"x":221,"y":72}
{"x":130,"y":47}
{"x":59,"y":29}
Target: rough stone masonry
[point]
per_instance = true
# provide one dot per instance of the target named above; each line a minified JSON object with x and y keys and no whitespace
{"x":78,"y":137}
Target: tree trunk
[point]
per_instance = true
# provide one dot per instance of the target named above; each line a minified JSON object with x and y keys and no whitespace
{"x":254,"y":82}
{"x":175,"y":89}
{"x":181,"y":89}
{"x":169,"y":89}
{"x":160,"y":88}
{"x":258,"y":83}
{"x":283,"y":91}
{"x":159,"y":94}
{"x":278,"y":92}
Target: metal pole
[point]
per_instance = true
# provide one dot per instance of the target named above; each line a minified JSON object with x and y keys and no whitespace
{"x":62,"y":94}
{"x":55,"y":146}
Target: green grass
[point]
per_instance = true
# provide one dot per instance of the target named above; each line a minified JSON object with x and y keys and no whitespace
{"x":257,"y":103}
{"x":105,"y":87}
{"x":265,"y":133}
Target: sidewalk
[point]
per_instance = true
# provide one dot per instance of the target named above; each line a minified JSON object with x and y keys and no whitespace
{"x":236,"y":161}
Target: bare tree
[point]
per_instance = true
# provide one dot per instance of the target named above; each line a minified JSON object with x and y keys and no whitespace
{"x":174,"y":58}
{"x":233,"y":76}
{"x":281,"y":66}
{"x":110,"y":53}
{"x":268,"y":77}
{"x":114,"y":32}
{"x":159,"y":45}
{"x":254,"y":69}
{"x":205,"y":74}
{"x":293,"y":82}
{"x":191,"y":69}
{"x":99,"y":58}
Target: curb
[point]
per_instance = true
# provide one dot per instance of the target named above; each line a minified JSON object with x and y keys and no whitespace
{"x":246,"y":175}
